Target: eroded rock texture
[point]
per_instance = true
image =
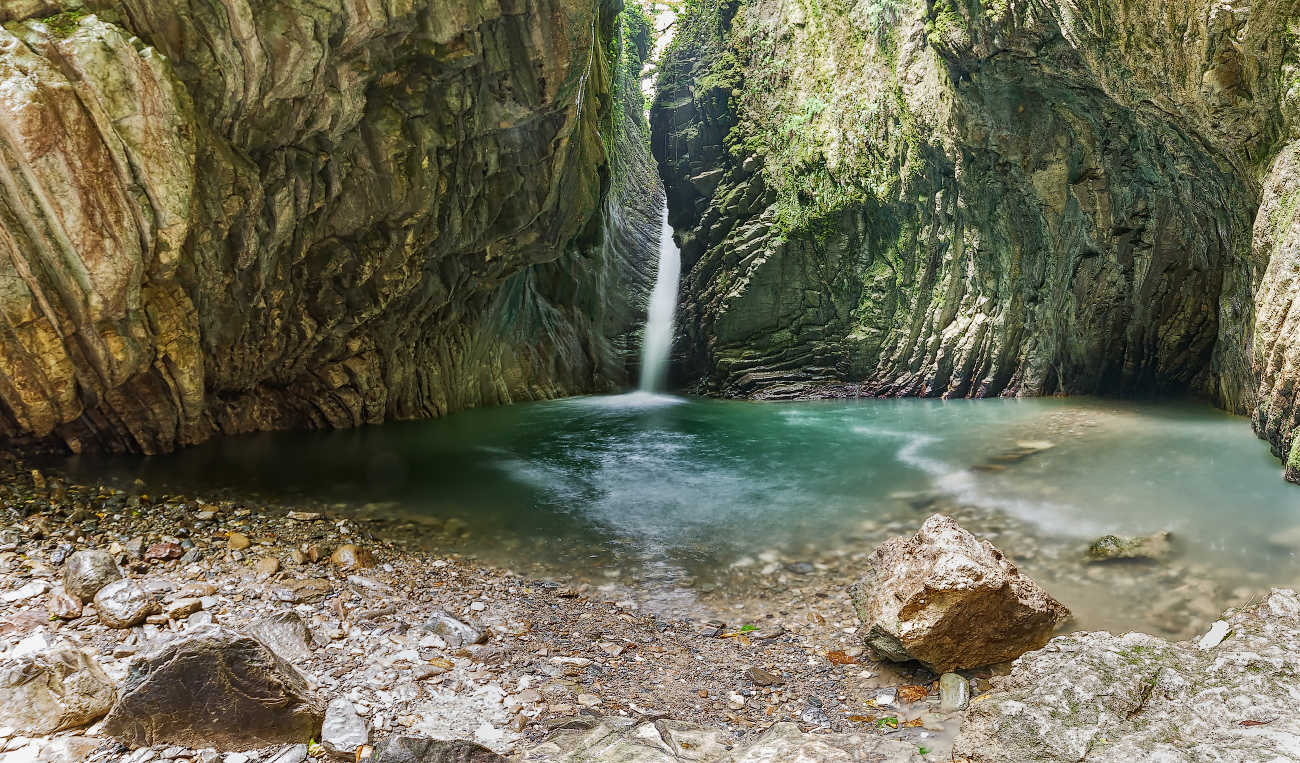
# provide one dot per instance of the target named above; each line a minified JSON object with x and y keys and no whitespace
{"x":226,"y":216}
{"x":966,"y":198}
{"x":1137,"y":698}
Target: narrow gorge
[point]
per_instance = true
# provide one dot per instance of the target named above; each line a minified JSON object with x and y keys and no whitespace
{"x":649,"y":381}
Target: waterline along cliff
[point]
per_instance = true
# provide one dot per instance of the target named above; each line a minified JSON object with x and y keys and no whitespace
{"x":232,"y":216}
{"x":243,"y":216}
{"x":950,"y":198}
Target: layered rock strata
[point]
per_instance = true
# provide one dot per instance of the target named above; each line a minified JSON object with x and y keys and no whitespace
{"x":224,"y":217}
{"x":950,"y":198}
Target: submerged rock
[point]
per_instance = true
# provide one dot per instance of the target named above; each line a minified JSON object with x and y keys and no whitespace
{"x":1158,"y":547}
{"x":218,"y":689}
{"x":1137,"y":698}
{"x":59,"y":688}
{"x":950,"y":601}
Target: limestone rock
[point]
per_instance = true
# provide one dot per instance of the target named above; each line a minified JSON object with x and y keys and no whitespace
{"x":63,"y":606}
{"x":216,"y":688}
{"x":950,"y":601}
{"x":796,"y":286}
{"x":343,"y":730}
{"x":1158,"y":547}
{"x":454,"y":631}
{"x":336,"y":166}
{"x":85,"y":572}
{"x":351,"y":557}
{"x":408,"y":749}
{"x":283,"y":633}
{"x":1137,"y":698}
{"x":59,"y":688}
{"x":123,"y":603}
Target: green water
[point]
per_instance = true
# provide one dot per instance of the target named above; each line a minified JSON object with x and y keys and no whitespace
{"x":700,"y":501}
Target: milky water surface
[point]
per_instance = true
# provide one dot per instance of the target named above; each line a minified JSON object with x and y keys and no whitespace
{"x":658,"y":490}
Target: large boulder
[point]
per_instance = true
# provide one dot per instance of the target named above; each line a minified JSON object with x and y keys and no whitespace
{"x":216,"y":688}
{"x":1140,"y":699}
{"x":59,"y":688}
{"x":85,"y":572}
{"x":949,"y":601}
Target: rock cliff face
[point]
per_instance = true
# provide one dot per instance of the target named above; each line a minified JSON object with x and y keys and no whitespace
{"x":227,"y":216}
{"x":970,"y":198}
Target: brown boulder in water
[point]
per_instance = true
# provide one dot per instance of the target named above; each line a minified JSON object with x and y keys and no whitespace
{"x":950,"y":601}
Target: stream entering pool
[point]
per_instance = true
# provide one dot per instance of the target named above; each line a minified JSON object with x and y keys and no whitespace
{"x":687,"y":506}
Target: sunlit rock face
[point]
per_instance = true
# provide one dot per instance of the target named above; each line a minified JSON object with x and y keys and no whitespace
{"x":951,"y":198}
{"x":232,"y":216}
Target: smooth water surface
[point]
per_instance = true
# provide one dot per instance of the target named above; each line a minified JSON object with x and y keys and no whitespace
{"x":660,"y":494}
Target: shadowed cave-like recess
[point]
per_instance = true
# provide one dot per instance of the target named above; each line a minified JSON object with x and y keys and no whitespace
{"x":957,"y":198}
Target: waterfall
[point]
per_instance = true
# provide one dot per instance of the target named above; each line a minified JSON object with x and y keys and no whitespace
{"x":658,"y":339}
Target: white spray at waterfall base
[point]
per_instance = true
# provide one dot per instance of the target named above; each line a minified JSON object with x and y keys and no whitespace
{"x":658,"y":339}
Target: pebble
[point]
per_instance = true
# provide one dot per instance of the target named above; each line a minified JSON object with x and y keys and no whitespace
{"x":237,"y":542}
{"x":954,"y":693}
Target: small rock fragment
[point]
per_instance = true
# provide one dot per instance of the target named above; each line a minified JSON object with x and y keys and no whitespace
{"x":123,"y":603}
{"x":343,"y":731}
{"x":237,"y":541}
{"x":63,"y":606}
{"x":350,"y":557}
{"x":267,"y":566}
{"x":954,"y":693}
{"x":161,"y":552}
{"x":455,"y":632}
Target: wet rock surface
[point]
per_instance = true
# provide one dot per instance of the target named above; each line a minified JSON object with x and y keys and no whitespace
{"x":950,"y":601}
{"x":1130,"y":698}
{"x":216,"y":688}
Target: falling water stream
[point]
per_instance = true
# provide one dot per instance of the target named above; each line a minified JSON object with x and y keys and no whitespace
{"x":658,"y":339}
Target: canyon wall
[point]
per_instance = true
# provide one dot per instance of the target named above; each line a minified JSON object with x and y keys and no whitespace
{"x":998,"y":197}
{"x":971,"y":199}
{"x":228,"y":216}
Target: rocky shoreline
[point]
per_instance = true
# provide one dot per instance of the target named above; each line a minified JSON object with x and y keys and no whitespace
{"x":385,"y":644}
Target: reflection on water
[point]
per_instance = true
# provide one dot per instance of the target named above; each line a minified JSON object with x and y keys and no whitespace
{"x":714,"y":500}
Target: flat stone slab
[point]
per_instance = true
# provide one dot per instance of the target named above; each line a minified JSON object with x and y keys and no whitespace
{"x":1140,"y":699}
{"x":623,"y":740}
